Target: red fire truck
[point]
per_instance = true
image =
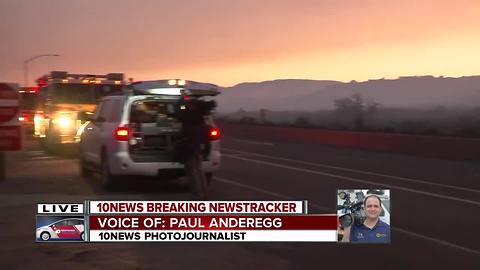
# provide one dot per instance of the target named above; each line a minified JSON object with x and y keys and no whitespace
{"x":64,"y":99}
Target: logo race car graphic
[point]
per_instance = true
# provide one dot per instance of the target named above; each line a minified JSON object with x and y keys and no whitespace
{"x":63,"y":229}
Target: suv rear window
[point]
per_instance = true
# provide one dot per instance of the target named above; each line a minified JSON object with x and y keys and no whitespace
{"x":152,"y":111}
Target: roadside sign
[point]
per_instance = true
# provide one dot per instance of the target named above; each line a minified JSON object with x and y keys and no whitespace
{"x":10,"y":138}
{"x":8,"y":102}
{"x":10,"y":129}
{"x":8,"y":91}
{"x":8,"y":113}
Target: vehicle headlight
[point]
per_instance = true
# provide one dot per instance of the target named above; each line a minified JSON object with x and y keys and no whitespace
{"x":63,"y":121}
{"x":37,"y":118}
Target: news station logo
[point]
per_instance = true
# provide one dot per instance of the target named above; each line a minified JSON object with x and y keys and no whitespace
{"x":60,"y":222}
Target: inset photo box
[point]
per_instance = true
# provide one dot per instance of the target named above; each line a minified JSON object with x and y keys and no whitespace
{"x":364,"y":215}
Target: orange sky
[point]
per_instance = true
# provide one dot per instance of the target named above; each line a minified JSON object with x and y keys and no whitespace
{"x":227,"y":42}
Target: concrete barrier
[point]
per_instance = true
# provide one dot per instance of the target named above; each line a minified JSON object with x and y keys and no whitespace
{"x":431,"y":146}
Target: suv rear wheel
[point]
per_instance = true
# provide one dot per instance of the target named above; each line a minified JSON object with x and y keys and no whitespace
{"x":108,"y":180}
{"x":85,"y":171}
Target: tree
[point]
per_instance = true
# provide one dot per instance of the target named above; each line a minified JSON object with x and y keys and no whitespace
{"x":355,"y":111}
{"x":263,"y":115}
{"x":301,"y":121}
{"x":371,"y":109}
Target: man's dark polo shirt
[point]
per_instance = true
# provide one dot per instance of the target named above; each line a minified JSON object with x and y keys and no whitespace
{"x":380,"y":233}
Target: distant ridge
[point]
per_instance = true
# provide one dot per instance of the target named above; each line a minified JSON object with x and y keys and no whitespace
{"x":310,"y":95}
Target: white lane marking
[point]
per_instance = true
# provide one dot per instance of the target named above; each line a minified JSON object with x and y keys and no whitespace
{"x":438,"y":241}
{"x":358,"y":171}
{"x":42,"y":158}
{"x":236,"y":155}
{"x":35,"y":153}
{"x":355,"y":180}
{"x":253,"y":142}
{"x":285,"y":197}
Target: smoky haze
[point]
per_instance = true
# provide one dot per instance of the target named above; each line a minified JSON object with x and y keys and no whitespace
{"x":311,"y":95}
{"x":229,"y":42}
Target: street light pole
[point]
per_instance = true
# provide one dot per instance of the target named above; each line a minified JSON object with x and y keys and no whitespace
{"x":25,"y":65}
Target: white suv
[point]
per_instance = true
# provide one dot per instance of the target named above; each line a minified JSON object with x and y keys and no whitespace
{"x":136,"y":133}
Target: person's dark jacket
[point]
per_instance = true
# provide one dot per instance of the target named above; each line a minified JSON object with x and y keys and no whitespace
{"x":195,"y":130}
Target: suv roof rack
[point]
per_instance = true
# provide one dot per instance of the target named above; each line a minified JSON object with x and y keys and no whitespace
{"x":174,"y":87}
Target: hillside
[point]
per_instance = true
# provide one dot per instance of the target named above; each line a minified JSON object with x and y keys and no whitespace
{"x":310,"y":95}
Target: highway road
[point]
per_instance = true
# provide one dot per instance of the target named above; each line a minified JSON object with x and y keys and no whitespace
{"x":435,"y":209}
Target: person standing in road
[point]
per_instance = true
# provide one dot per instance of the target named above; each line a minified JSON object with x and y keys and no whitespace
{"x":191,"y":115}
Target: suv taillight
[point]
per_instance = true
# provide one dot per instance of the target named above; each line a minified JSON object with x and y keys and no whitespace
{"x":214,"y":134}
{"x":122,"y":133}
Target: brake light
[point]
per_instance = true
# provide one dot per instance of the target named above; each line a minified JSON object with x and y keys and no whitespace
{"x":42,"y":82}
{"x":122,"y":133}
{"x":214,"y":133}
{"x":33,"y":89}
{"x":24,"y":117}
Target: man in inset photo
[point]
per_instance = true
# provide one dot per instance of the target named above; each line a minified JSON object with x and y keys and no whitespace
{"x":363,"y":224}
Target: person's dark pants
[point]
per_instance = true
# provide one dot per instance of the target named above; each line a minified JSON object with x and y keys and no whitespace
{"x":194,"y":171}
